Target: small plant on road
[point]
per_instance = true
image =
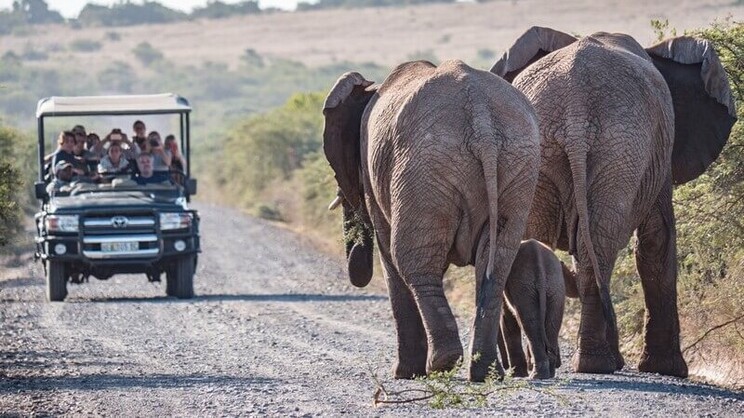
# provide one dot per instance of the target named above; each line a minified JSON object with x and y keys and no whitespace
{"x":445,"y":390}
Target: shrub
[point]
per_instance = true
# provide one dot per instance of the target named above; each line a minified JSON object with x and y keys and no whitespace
{"x":112,"y":36}
{"x":85,"y":45}
{"x":13,"y":155}
{"x":269,"y":147}
{"x":117,"y":77}
{"x":146,"y":54}
{"x":30,"y":53}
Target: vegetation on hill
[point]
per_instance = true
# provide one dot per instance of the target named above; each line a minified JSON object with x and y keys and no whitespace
{"x":128,"y":14}
{"x":334,"y":4}
{"x":27,"y":12}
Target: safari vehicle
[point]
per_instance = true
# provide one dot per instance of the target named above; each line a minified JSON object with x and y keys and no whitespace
{"x":116,"y":227}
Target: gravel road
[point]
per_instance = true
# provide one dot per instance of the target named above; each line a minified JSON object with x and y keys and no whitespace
{"x":275,"y":330}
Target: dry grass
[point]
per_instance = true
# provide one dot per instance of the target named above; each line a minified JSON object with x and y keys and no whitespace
{"x":385,"y":36}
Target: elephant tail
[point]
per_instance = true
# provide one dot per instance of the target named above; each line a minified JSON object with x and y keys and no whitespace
{"x":489,"y":164}
{"x":577,"y":162}
{"x":543,"y":303}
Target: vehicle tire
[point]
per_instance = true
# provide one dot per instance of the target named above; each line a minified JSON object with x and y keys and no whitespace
{"x":56,"y":281}
{"x":180,"y":278}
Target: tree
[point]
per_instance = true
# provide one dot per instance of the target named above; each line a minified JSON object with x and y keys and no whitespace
{"x":36,"y":12}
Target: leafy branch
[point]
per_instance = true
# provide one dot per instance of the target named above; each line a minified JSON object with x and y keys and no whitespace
{"x":710,"y":330}
{"x":443,"y":389}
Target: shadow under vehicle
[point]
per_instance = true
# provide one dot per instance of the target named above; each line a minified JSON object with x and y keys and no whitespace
{"x":116,"y":226}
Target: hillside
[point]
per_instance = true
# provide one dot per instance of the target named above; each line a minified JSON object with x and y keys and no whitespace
{"x":384,"y":36}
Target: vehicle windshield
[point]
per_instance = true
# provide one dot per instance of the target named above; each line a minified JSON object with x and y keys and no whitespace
{"x":104,"y":153}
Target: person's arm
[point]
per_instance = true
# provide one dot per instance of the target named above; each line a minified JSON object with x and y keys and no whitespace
{"x":104,"y":166}
{"x":167,"y":159}
{"x":125,"y":139}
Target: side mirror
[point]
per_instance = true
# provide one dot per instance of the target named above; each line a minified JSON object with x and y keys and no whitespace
{"x":40,"y":190}
{"x":190,"y":186}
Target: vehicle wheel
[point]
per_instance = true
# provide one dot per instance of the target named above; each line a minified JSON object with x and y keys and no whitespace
{"x":170,"y":281}
{"x":180,"y":279}
{"x":56,"y":281}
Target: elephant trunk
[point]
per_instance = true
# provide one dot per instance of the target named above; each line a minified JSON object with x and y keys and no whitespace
{"x":569,"y":281}
{"x":358,"y":242}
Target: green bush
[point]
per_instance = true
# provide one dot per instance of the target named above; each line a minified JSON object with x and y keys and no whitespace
{"x":118,"y":77}
{"x":112,"y":36}
{"x":85,"y":45}
{"x":269,"y":147}
{"x":15,"y":154}
{"x":147,"y":54}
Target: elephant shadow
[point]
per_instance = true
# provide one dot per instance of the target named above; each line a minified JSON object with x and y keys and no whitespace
{"x":629,"y":382}
{"x":275,"y":297}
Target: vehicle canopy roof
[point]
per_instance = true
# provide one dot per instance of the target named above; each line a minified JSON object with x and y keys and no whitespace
{"x":143,"y":104}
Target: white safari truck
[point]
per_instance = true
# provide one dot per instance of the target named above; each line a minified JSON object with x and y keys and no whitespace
{"x":111,"y":224}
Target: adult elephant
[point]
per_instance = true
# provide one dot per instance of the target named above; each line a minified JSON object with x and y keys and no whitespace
{"x":410,"y":158}
{"x":620,"y":125}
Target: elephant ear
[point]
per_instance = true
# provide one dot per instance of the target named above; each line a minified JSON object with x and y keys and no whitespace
{"x":534,"y":44}
{"x":704,"y":110}
{"x":343,"y":109}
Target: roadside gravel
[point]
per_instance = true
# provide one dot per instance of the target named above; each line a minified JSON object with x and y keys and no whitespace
{"x":275,"y":330}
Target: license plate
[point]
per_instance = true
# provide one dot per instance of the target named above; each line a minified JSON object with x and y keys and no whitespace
{"x":116,"y":247}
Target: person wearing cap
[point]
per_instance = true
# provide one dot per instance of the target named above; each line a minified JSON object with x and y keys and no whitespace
{"x":63,"y":175}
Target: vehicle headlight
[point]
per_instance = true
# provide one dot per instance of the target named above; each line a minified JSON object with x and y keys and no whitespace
{"x":175,"y":220}
{"x":62,"y":223}
{"x":181,"y":201}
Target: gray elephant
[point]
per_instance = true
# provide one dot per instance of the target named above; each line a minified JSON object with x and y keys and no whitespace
{"x":535,"y":295}
{"x":620,"y":125}
{"x":410,"y":157}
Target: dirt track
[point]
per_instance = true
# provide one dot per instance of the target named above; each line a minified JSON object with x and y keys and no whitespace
{"x":275,"y":330}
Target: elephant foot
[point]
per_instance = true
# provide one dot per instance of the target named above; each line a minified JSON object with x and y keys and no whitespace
{"x":409,"y":369}
{"x":444,"y":359}
{"x":481,"y":368}
{"x":542,"y":371}
{"x":600,"y":363}
{"x":669,"y":364}
{"x":520,"y":370}
{"x":619,"y":361}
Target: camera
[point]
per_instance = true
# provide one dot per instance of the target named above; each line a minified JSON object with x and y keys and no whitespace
{"x":154,"y":143}
{"x":115,"y":136}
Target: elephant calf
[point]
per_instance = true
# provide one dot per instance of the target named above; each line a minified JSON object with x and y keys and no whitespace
{"x":535,"y":292}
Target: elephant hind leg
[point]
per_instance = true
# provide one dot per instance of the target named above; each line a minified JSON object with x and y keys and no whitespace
{"x":443,"y":341}
{"x":512,"y":354}
{"x":533,"y":325}
{"x":656,"y":259}
{"x":412,"y":344}
{"x":444,"y":346}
